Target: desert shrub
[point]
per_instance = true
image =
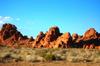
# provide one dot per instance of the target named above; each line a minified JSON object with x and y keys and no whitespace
{"x":41,"y":52}
{"x":96,"y":60}
{"x":30,"y":58}
{"x":6,"y":58}
{"x":49,"y":57}
{"x":38,"y":55}
{"x":58,"y":57}
{"x":40,"y":59}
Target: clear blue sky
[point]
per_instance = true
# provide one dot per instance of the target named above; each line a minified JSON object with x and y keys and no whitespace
{"x":33,"y":16}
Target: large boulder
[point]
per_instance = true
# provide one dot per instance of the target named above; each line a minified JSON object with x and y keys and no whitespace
{"x":9,"y":30}
{"x":44,"y":40}
{"x":51,"y":36}
{"x":37,"y":42}
{"x":63,"y":41}
{"x":76,"y":41}
{"x":10,"y":36}
{"x":74,"y":36}
{"x":90,"y":38}
{"x":90,"y":34}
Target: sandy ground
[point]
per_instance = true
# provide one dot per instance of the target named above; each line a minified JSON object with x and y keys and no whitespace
{"x":56,"y":63}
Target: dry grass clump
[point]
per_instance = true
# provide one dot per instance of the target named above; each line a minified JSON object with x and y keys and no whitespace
{"x":83,"y":55}
{"x":42,"y":55}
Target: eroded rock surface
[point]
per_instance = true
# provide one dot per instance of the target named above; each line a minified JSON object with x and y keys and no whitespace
{"x":10,"y":36}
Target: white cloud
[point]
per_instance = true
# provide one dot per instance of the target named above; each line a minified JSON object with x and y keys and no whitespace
{"x":7,"y":19}
{"x":4,"y":19}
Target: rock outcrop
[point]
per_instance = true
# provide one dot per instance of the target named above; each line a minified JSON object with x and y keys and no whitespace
{"x":8,"y":31}
{"x":10,"y":36}
{"x":63,"y":41}
{"x":74,"y":36}
{"x":51,"y":36}
{"x":90,"y":38}
{"x":90,"y":34}
{"x":44,"y":40}
{"x":37,"y":42}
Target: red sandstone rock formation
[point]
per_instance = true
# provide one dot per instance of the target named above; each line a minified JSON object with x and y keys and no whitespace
{"x":51,"y":36}
{"x":90,"y":34}
{"x":74,"y":36}
{"x":10,"y":36}
{"x":37,"y":42}
{"x":63,"y":41}
{"x":44,"y":40}
{"x":90,"y":38}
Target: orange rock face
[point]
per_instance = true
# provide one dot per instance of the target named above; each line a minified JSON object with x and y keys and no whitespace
{"x":90,"y":38}
{"x":74,"y":36}
{"x":63,"y":41}
{"x":51,"y":35}
{"x":90,"y":34}
{"x":44,"y":40}
{"x":37,"y":43}
{"x":10,"y":36}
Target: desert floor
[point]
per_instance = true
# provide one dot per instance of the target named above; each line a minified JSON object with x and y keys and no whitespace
{"x":55,"y":63}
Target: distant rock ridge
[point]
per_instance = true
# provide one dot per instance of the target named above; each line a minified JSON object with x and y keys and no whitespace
{"x":10,"y":36}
